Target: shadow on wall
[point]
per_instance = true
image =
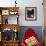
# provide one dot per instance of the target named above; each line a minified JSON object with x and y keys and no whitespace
{"x":37,"y":29}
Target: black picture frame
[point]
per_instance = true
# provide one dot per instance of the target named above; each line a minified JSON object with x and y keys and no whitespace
{"x":30,"y":13}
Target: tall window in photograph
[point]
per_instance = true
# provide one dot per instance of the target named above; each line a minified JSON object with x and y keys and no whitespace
{"x":31,"y":13}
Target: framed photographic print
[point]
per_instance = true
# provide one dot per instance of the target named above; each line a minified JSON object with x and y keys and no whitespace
{"x":30,"y":13}
{"x":5,"y":12}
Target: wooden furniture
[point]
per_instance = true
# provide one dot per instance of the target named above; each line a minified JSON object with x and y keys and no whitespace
{"x":44,"y":4}
{"x":11,"y":26}
{"x":8,"y":11}
{"x":10,"y":43}
{"x":0,"y":43}
{"x":5,"y":13}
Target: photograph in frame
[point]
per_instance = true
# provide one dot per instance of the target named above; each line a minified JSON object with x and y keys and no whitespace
{"x":30,"y":13}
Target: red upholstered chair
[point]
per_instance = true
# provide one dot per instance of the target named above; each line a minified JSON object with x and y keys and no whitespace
{"x":28,"y":35}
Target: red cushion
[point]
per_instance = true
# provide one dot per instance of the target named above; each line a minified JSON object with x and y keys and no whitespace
{"x":29,"y":33}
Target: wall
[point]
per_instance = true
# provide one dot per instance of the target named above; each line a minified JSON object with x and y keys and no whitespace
{"x":31,"y":3}
{"x":26,"y":3}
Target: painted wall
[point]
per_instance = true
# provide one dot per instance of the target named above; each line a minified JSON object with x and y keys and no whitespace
{"x":26,"y":3}
{"x":32,"y":3}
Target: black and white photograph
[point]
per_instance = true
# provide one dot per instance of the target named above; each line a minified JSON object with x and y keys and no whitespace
{"x":30,"y":13}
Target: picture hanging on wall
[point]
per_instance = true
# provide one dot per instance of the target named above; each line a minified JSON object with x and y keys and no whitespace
{"x":30,"y":13}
